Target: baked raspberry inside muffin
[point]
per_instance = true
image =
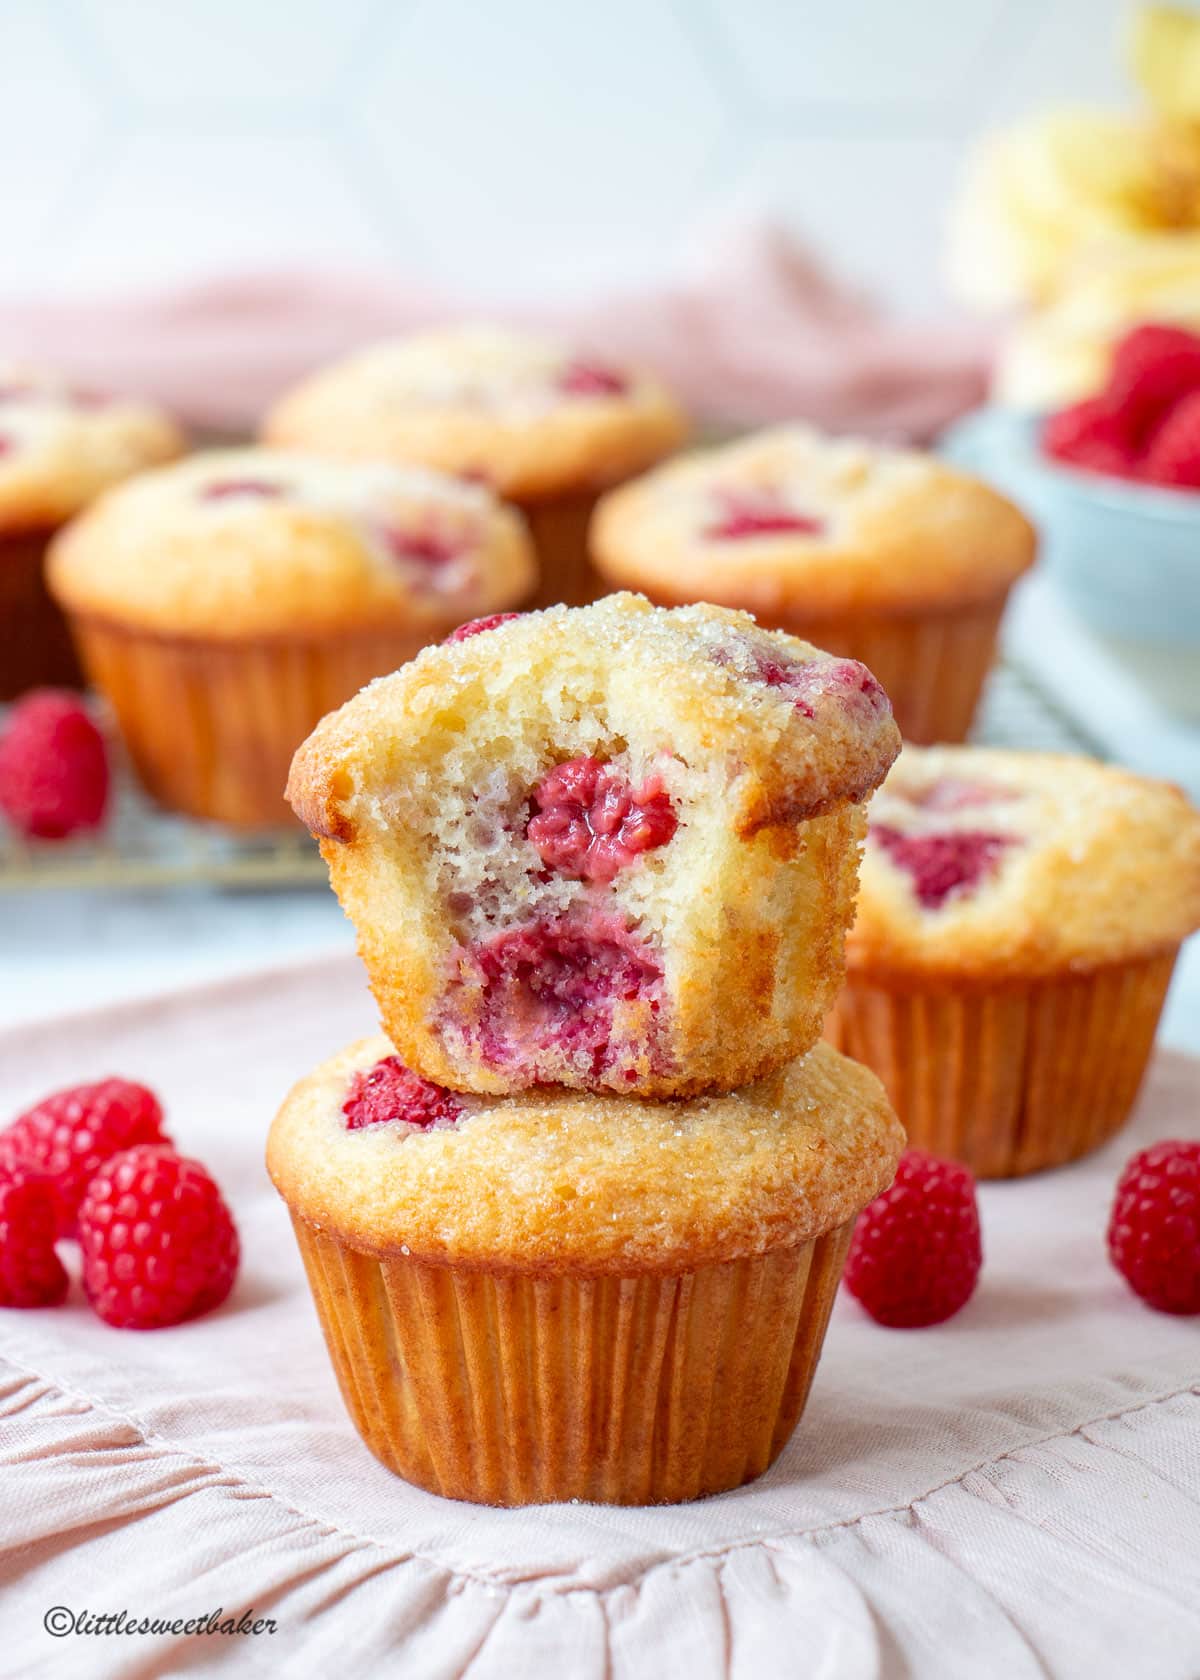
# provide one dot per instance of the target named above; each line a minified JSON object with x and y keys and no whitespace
{"x":610,"y":848}
{"x":1018,"y":921}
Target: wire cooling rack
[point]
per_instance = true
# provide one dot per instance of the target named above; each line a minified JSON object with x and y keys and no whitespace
{"x":143,"y":847}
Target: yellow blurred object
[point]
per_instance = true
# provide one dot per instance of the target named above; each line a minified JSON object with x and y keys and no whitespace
{"x":1165,"y":52}
{"x":1040,"y":193}
{"x":1062,"y":352}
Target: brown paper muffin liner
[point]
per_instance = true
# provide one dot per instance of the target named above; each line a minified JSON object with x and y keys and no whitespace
{"x":932,"y":665}
{"x":508,"y":1388}
{"x":559,"y":527}
{"x":1013,"y":1078}
{"x":35,"y":644}
{"x":211,"y":726}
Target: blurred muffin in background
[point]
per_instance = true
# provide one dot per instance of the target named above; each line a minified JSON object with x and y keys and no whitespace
{"x":884,"y":555}
{"x":545,"y":428}
{"x":225,"y":604}
{"x":1018,"y":920}
{"x":59,"y":448}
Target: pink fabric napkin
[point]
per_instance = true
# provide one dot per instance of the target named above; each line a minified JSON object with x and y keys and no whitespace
{"x":1012,"y":1495}
{"x":757,"y":333}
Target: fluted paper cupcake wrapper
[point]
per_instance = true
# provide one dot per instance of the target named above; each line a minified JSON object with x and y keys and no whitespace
{"x":35,"y":645}
{"x":932,"y":665}
{"x":559,"y":528}
{"x":211,"y":726}
{"x":508,"y":1388}
{"x":1014,"y":1078}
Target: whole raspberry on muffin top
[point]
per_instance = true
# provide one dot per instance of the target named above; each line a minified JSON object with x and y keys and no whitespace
{"x":573,"y":843}
{"x":980,"y":859}
{"x":248,"y":541}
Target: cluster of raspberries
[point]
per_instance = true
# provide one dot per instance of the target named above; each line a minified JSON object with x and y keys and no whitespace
{"x":92,"y":1163}
{"x":917,"y":1253}
{"x":1145,"y":423}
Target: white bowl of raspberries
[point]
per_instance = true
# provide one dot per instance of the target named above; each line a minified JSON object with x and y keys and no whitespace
{"x":1113,"y":482}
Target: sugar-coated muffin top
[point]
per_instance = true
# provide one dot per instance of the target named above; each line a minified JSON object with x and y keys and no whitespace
{"x":253,"y":541}
{"x":555,"y":1179}
{"x":801,"y":730}
{"x":791,"y":520}
{"x":61,"y":446}
{"x":526,"y":415}
{"x":982,"y":862}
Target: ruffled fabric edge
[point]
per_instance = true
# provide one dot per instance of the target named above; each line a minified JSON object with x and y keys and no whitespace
{"x":1078,"y":1555}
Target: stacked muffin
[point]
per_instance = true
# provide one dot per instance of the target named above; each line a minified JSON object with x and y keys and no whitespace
{"x":574,"y":1227}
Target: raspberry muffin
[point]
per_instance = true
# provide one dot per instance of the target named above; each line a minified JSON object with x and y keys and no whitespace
{"x":224,"y":604}
{"x":546,"y":428}
{"x":609,"y":847}
{"x":1018,"y":921}
{"x":883,"y":555}
{"x":561,"y":1296}
{"x":59,"y":448}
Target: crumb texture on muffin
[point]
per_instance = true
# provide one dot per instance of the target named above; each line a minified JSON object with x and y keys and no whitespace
{"x":791,"y":521}
{"x":60,"y":446}
{"x":527,"y":415}
{"x":985,"y":862}
{"x":613,"y":846}
{"x":555,"y":1179}
{"x":249,"y":542}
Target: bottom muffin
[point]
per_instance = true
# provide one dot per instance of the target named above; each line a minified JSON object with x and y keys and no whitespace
{"x":1018,"y":920}
{"x":561,"y":1296}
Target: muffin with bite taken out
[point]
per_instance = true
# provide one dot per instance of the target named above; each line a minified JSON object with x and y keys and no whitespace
{"x":611,"y":847}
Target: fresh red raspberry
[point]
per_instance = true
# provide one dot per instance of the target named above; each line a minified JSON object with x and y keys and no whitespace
{"x":589,"y":822}
{"x":70,"y":1134}
{"x":759,"y":513}
{"x":591,"y":379}
{"x":1154,"y":1231}
{"x":159,"y":1244}
{"x":1090,"y":434}
{"x":31,"y":1274}
{"x":917,"y":1251}
{"x":53,"y":767}
{"x":942,"y":866}
{"x":476,"y":626}
{"x":390,"y":1091}
{"x":238,"y":489}
{"x":1153,"y":367}
{"x":1173,"y":454}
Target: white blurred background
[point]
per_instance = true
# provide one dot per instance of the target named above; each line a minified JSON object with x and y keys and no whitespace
{"x":517,"y":147}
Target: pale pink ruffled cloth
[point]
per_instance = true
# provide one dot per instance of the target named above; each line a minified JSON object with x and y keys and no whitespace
{"x":1010,"y":1496}
{"x":757,"y":333}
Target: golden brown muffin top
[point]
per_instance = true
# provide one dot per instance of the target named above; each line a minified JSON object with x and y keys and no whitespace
{"x":524,"y":414}
{"x":983,"y":863}
{"x":250,"y":542}
{"x":792,"y":521}
{"x":799,"y":730}
{"x":61,"y":446}
{"x":565,"y":1180}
